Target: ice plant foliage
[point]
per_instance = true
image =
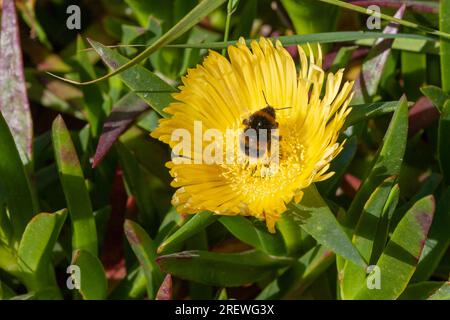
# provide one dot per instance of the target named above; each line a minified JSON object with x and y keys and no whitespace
{"x":310,"y":109}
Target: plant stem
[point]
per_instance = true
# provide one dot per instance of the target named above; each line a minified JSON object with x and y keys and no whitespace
{"x":230,"y":10}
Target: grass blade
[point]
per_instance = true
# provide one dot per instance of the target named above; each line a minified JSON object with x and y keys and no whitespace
{"x":192,"y":18}
{"x":141,"y":81}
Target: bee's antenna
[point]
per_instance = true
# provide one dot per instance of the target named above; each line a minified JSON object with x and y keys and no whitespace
{"x":283,"y":108}
{"x":265,"y":99}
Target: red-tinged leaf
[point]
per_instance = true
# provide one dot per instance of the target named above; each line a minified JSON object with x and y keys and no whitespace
{"x":122,"y":116}
{"x":366,"y":84}
{"x":112,"y":256}
{"x":165,"y":291}
{"x":421,"y":115}
{"x":14,"y":103}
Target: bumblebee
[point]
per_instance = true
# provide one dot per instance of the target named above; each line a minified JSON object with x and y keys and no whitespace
{"x":262,"y":121}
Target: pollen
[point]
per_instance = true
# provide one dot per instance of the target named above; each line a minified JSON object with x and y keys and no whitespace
{"x":311,"y":109}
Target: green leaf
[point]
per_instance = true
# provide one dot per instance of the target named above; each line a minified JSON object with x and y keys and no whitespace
{"x":443,"y":142}
{"x":141,"y":81}
{"x":309,"y":16}
{"x":367,"y":111}
{"x":339,"y":166}
{"x":15,"y":187}
{"x":258,"y":237}
{"x":221,"y":269}
{"x":145,"y":250}
{"x":342,"y":58}
{"x":437,"y":242}
{"x":414,"y":72}
{"x":387,"y":162}
{"x":369,"y":225}
{"x":398,"y":261}
{"x":196,"y":223}
{"x":427,"y":291}
{"x":133,"y":286}
{"x":294,"y":281}
{"x":436,"y":95}
{"x":187,"y":22}
{"x":291,"y":233}
{"x":84,"y":234}
{"x":314,"y":216}
{"x":402,"y":22}
{"x":35,"y":250}
{"x":93,"y":283}
{"x":444,"y":26}
{"x":141,"y":184}
{"x":92,"y":95}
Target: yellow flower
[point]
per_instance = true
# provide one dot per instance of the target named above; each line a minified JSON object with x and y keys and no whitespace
{"x":221,"y":94}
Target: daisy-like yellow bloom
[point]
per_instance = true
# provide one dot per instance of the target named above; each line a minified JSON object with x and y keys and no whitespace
{"x":222,"y":93}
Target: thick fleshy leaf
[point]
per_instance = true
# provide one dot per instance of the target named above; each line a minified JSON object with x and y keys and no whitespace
{"x":133,"y":286}
{"x":15,"y":187}
{"x":84,"y":233}
{"x":140,"y":80}
{"x":14,"y":103}
{"x":427,"y":188}
{"x":437,"y":242}
{"x":387,"y":162}
{"x":293,"y":282}
{"x":444,"y":26}
{"x":369,"y":225}
{"x":92,"y":95}
{"x":93,"y":284}
{"x":145,"y":250}
{"x":35,"y":249}
{"x":143,"y":186}
{"x":302,"y":12}
{"x":366,"y":84}
{"x":165,"y":291}
{"x":427,"y":291}
{"x":370,"y":110}
{"x":258,"y":237}
{"x":122,"y":116}
{"x":444,"y":141}
{"x":398,"y":261}
{"x":195,"y":224}
{"x":436,"y":95}
{"x":314,"y":216}
{"x":221,"y":269}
